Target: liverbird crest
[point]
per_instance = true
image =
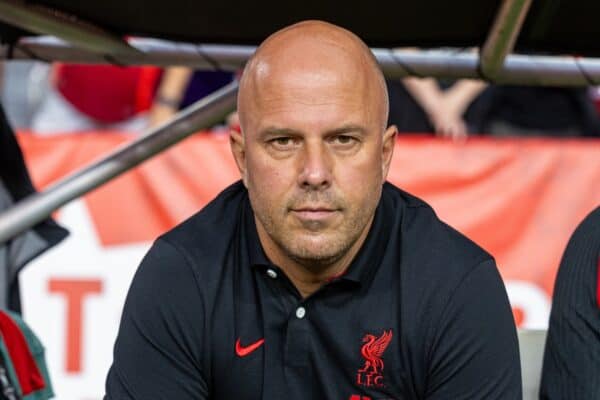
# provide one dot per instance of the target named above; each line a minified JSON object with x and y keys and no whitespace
{"x":372,"y":351}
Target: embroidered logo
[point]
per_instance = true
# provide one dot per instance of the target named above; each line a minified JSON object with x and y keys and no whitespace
{"x":243,"y":351}
{"x":371,"y":374}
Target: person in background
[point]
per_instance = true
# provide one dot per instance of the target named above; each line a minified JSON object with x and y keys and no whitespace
{"x":571,"y":369}
{"x":180,"y":87}
{"x":469,"y":107}
{"x":508,"y":110}
{"x":422,"y":105}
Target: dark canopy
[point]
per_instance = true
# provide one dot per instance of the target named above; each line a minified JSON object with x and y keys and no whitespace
{"x":551,"y":26}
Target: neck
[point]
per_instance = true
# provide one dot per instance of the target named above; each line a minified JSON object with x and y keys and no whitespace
{"x":306,"y":275}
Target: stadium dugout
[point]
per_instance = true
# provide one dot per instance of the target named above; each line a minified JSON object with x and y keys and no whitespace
{"x":511,"y":41}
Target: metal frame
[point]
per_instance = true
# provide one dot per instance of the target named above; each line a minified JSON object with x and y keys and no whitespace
{"x":36,"y":208}
{"x":84,"y":42}
{"x":517,"y":69}
{"x":503,"y":35}
{"x":447,"y":64}
{"x":38,"y":19}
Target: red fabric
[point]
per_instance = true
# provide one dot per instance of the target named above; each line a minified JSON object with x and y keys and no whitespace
{"x":23,"y":362}
{"x":502,"y":193}
{"x":147,"y":83}
{"x":107,"y":93}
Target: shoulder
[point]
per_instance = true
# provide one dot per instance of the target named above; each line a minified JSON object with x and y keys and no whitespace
{"x":437,"y":263}
{"x":449,"y":288}
{"x":427,"y":240}
{"x":207,"y":235}
{"x":582,"y":252}
{"x":588,"y":231}
{"x":580,"y":262}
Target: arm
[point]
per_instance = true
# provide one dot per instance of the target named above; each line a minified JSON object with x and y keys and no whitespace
{"x":159,"y":350}
{"x":445,"y":109}
{"x":445,"y":121}
{"x":572,"y":356}
{"x":170,"y":93}
{"x":426,"y":92}
{"x":462,"y":93}
{"x":475,"y":353}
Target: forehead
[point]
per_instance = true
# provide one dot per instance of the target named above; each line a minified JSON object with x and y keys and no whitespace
{"x":328,"y":83}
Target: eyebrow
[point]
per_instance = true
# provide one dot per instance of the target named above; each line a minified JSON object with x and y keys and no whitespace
{"x":275,"y":131}
{"x":349,"y":128}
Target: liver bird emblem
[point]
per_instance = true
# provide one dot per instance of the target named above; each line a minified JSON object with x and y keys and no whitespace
{"x":373,"y":349}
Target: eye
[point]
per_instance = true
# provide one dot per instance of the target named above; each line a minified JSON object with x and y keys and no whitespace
{"x":343,"y":141}
{"x":284,"y":142}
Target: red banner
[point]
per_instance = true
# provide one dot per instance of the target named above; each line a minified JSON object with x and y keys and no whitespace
{"x":518,"y":198}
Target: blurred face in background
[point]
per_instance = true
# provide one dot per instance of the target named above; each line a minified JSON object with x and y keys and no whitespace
{"x":314,"y":151}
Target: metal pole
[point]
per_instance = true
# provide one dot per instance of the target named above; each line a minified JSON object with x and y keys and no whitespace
{"x":38,"y":19}
{"x":448,"y":63}
{"x":148,"y":51}
{"x":517,"y":69}
{"x":33,"y":209}
{"x":503,"y":35}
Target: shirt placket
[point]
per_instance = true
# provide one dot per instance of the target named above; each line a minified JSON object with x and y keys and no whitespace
{"x":287,"y":339}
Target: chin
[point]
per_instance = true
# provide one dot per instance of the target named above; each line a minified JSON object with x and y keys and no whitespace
{"x":324,"y":253}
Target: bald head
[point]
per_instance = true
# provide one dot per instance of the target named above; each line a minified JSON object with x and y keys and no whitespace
{"x":310,"y":55}
{"x":314,"y":150}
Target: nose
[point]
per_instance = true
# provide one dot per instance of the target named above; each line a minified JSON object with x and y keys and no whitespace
{"x":316,"y":167}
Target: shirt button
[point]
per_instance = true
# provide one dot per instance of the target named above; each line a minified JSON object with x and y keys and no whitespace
{"x":300,"y":312}
{"x":272,"y":273}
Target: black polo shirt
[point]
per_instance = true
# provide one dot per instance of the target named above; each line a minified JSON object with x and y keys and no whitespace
{"x":421,"y":313}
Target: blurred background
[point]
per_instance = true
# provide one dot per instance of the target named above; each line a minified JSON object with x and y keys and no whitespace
{"x":515,"y":166}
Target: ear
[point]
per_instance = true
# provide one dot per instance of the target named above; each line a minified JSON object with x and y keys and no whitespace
{"x":388,"y":144}
{"x":238,"y":149}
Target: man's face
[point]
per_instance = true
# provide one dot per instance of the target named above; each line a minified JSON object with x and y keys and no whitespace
{"x":314,"y":160}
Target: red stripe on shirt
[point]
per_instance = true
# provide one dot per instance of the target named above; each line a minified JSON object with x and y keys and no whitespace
{"x":23,"y":362}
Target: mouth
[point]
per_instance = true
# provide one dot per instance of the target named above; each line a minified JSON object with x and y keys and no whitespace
{"x":314,"y":213}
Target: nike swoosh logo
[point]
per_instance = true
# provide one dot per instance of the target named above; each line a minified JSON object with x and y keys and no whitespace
{"x":243,"y":351}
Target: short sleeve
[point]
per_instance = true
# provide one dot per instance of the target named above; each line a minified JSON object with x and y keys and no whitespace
{"x":158,"y":353}
{"x":475,"y":351}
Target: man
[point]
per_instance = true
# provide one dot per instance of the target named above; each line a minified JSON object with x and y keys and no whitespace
{"x":572,"y":356}
{"x":315,"y":279}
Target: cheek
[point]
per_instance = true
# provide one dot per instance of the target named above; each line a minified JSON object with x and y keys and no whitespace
{"x":269,"y":179}
{"x":359,"y":174}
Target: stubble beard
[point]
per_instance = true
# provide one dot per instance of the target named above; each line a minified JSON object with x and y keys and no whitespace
{"x":313,"y":245}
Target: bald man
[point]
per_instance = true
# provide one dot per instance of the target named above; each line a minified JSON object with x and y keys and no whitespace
{"x":313,"y":278}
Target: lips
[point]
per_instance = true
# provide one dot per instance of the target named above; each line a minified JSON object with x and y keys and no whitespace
{"x":314,"y":213}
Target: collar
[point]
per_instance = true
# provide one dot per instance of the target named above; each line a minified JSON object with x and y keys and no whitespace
{"x":370,"y":256}
{"x":256,"y":254}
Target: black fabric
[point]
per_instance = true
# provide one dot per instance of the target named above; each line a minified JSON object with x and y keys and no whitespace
{"x":558,"y":27}
{"x":434,"y":294}
{"x":553,"y":110}
{"x":15,"y":184}
{"x":405,"y":112}
{"x":571,"y":368}
{"x":409,"y":117}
